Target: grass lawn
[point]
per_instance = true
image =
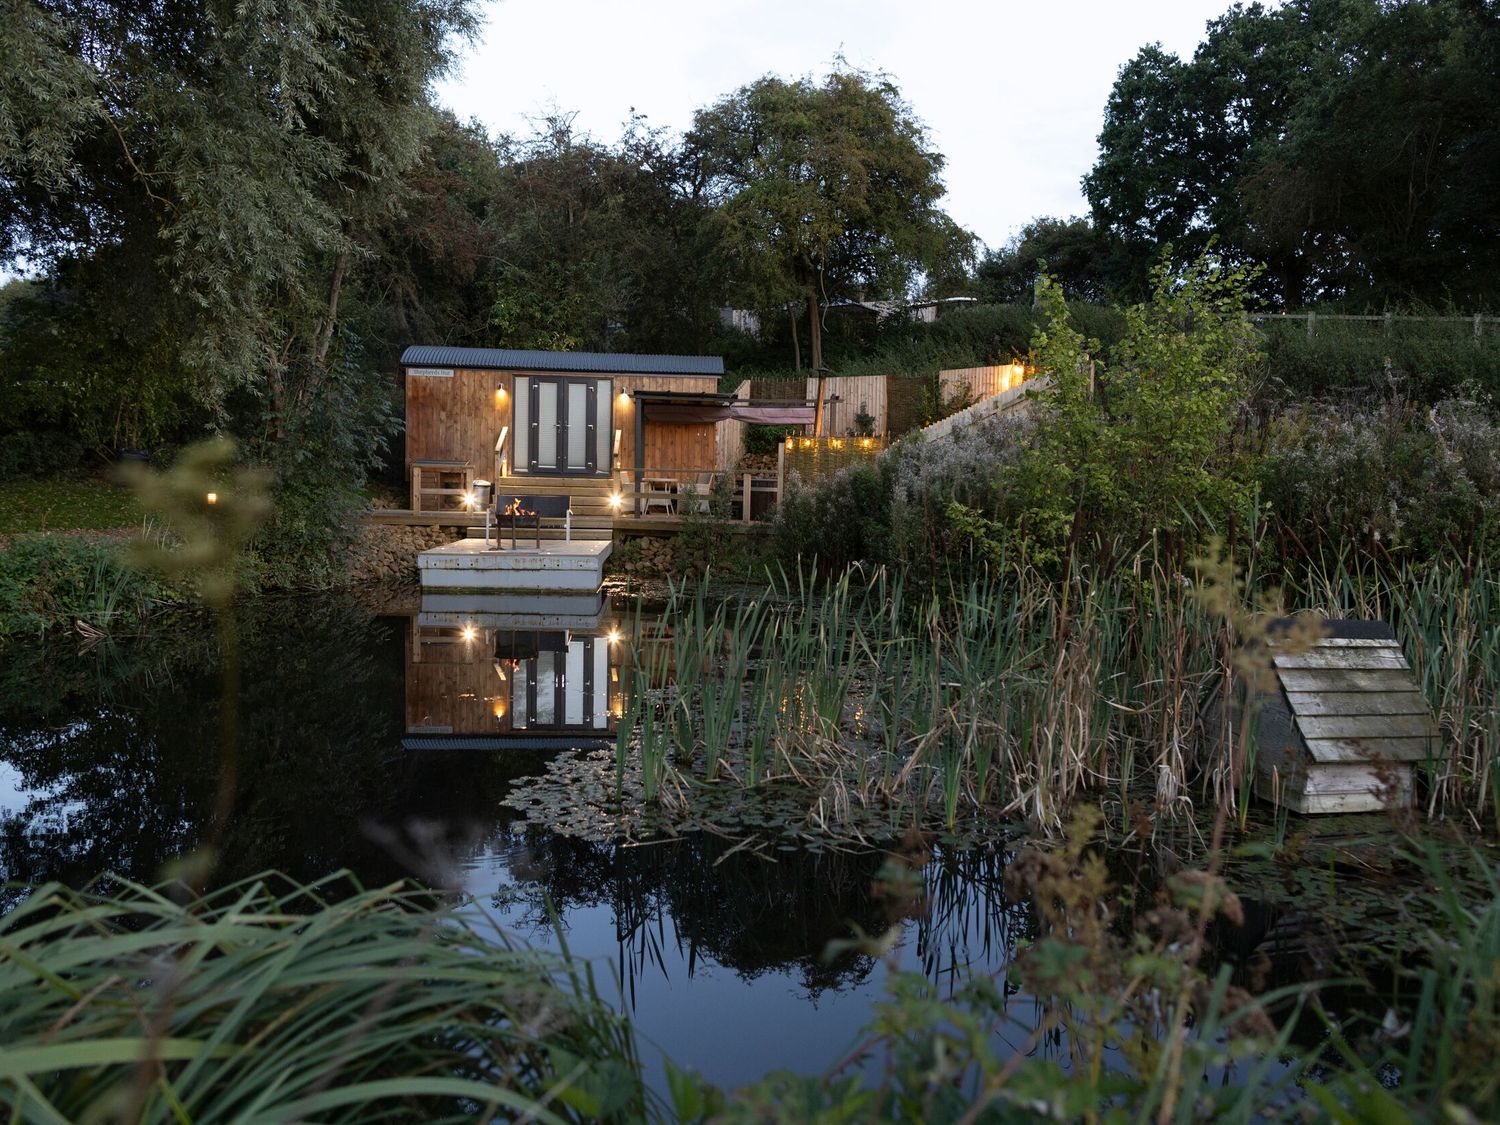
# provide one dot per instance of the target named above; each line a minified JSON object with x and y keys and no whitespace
{"x":65,"y":504}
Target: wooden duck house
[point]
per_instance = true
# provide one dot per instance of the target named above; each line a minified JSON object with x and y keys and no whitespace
{"x":1345,"y":724}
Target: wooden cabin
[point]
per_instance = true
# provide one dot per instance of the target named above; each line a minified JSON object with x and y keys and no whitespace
{"x":480,"y":675}
{"x":582,"y":423}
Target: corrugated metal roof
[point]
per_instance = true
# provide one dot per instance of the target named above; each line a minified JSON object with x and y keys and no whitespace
{"x":605,"y":363}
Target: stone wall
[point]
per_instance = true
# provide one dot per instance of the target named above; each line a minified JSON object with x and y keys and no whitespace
{"x":387,"y":553}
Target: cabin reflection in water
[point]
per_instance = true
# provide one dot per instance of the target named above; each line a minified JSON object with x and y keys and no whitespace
{"x":481,"y":669}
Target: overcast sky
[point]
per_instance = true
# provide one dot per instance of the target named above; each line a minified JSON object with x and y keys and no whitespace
{"x":1013,"y":93}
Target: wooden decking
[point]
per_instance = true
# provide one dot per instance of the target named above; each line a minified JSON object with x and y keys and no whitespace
{"x":616,"y":526}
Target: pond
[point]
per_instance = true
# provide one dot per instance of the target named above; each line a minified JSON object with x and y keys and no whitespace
{"x":387,"y":744}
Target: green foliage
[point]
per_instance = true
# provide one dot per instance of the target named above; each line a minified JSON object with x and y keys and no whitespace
{"x":38,"y":455}
{"x":1393,"y":482}
{"x":824,"y":191}
{"x":1071,"y":251}
{"x":320,"y":456}
{"x":270,"y":1000}
{"x":763,"y":441}
{"x":1346,"y":145}
{"x":1425,"y":361}
{"x":600,"y":248}
{"x":48,"y":581}
{"x":68,"y":503}
{"x":1143,"y":444}
{"x":841,"y":520}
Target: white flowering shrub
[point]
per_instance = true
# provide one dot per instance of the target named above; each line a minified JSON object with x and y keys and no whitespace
{"x":1393,"y":480}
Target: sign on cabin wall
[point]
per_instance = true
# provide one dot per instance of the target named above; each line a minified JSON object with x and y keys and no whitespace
{"x":430,"y":372}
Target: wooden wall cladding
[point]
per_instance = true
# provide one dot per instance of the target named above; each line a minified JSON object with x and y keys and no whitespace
{"x":849,"y":393}
{"x":457,"y":418}
{"x":460,"y":417}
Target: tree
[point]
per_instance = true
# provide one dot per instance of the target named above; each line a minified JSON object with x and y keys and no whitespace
{"x":600,"y":246}
{"x":824,"y":191}
{"x":246,"y":148}
{"x":1349,"y":145}
{"x":1141,"y":444}
{"x":1077,"y":257}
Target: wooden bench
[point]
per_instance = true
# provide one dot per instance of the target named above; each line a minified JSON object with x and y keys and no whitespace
{"x":521,"y":511}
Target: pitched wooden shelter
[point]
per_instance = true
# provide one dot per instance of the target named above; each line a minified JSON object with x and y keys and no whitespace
{"x":1346,"y":724}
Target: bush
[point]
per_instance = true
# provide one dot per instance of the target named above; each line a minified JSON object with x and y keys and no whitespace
{"x":1424,"y":361}
{"x":38,"y":455}
{"x":843,"y":519}
{"x":1392,"y":480}
{"x":50,"y":580}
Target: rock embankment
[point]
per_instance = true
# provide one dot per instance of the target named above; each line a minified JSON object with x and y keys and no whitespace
{"x":387,"y":553}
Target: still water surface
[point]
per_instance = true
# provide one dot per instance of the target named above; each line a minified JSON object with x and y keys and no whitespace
{"x":385,"y":744}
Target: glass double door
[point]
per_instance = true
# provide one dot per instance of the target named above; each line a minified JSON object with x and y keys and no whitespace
{"x":562,"y":425}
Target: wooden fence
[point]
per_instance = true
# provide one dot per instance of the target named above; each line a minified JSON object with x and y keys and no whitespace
{"x":979,"y":383}
{"x":1383,"y":321}
{"x":845,"y":398}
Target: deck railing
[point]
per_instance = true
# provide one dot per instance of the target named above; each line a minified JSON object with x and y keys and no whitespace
{"x":712,"y":493}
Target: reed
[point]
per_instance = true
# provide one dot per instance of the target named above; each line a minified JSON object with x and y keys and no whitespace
{"x":1014,"y":695}
{"x":276,"y":1001}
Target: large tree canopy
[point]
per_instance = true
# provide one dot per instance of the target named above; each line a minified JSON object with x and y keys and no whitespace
{"x":1351,"y":145}
{"x":245,"y":148}
{"x":825,"y":190}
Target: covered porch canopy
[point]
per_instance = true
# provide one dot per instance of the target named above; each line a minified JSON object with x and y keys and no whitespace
{"x":705,"y":408}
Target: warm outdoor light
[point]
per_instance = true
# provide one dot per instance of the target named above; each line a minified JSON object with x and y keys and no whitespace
{"x":499,"y":710}
{"x":470,"y":632}
{"x":624,"y":398}
{"x":212,"y":498}
{"x":615,"y":500}
{"x":614,"y":636}
{"x":500,"y":391}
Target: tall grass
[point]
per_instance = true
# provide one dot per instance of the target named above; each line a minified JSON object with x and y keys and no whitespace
{"x":1013,"y":695}
{"x":270,"y":1001}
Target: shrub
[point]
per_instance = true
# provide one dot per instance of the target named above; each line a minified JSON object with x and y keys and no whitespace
{"x":1424,"y":361}
{"x":49,"y":580}
{"x":38,"y":454}
{"x":844,"y":518}
{"x":1392,"y":480}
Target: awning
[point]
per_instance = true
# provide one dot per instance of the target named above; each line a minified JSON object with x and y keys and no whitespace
{"x":673,"y":406}
{"x":773,"y":414}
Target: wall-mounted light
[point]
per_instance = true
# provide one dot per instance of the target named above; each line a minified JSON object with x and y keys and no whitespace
{"x":211,"y":498}
{"x":616,"y":500}
{"x":469,"y":633}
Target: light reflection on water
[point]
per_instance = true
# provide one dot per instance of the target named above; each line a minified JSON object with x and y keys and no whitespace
{"x":108,"y":762}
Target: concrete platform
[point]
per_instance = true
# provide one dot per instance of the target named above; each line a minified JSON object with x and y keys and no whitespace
{"x":554,"y":567}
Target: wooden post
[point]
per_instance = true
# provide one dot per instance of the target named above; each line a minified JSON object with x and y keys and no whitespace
{"x":1309,"y":326}
{"x":780,"y":469}
{"x":745,"y":503}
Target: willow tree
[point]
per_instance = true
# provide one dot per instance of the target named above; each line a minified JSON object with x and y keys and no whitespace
{"x":825,"y":190}
{"x":237,"y":151}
